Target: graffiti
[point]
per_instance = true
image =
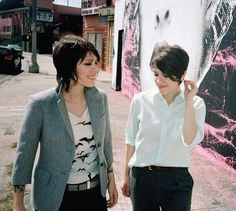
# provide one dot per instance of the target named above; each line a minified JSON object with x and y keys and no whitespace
{"x":218,"y":90}
{"x":130,"y":62}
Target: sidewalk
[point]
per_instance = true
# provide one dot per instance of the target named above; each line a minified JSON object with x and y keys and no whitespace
{"x":215,"y":183}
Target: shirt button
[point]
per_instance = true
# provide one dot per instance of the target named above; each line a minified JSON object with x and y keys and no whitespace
{"x":99,"y":144}
{"x":101,"y":164}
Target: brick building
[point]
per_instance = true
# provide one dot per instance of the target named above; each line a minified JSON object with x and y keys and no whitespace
{"x":94,"y":21}
{"x":98,"y":27}
{"x":52,"y":20}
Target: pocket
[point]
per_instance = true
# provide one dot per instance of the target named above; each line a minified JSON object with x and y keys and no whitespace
{"x":42,"y":178}
{"x":133,"y":176}
{"x":102,"y":114}
{"x":184,"y":181}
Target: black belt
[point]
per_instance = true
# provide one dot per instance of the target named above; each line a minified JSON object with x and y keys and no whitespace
{"x":163,"y":168}
{"x":83,"y":186}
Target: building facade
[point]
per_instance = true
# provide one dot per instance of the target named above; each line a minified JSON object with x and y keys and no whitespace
{"x":94,"y":21}
{"x":98,"y":28}
{"x":52,"y":21}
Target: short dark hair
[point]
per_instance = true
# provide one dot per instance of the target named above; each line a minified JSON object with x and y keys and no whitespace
{"x":69,"y":50}
{"x":170,"y":60}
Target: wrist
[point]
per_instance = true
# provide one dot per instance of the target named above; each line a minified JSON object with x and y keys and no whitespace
{"x":189,"y":102}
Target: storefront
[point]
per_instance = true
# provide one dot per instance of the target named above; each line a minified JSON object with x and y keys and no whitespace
{"x":98,"y":25}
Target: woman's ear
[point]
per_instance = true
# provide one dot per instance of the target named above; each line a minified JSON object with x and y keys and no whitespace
{"x":183,"y":76}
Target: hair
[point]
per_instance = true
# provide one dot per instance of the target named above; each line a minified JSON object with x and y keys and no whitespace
{"x":172,"y":61}
{"x":70,"y":50}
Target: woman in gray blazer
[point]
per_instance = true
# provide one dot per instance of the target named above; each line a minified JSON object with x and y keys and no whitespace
{"x":70,"y":128}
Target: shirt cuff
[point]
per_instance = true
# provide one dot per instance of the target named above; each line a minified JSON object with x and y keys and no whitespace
{"x":130,"y":141}
{"x":198,"y":138}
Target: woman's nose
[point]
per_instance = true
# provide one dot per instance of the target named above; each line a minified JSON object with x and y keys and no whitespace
{"x":159,"y":78}
{"x":95,"y":67}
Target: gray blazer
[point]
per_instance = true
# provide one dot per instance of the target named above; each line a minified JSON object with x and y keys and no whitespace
{"x":46,"y":124}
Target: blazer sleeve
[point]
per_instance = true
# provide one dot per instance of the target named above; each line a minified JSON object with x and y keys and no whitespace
{"x":108,"y":137}
{"x":28,"y":143}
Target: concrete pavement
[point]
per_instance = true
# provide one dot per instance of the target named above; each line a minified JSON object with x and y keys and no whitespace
{"x":215,"y":183}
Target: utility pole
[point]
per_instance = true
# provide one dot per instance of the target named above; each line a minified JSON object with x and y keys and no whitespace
{"x":34,"y":68}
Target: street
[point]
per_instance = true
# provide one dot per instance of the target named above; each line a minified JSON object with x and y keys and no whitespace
{"x":4,"y":78}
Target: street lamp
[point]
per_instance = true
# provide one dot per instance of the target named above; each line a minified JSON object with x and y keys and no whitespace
{"x":34,"y":68}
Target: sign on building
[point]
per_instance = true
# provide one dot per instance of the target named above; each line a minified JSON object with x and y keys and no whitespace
{"x":90,"y":7}
{"x":106,"y":13}
{"x":45,"y":16}
{"x":28,"y":3}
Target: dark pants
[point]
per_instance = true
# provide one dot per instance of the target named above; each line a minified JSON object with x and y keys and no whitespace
{"x":87,"y":200}
{"x":168,"y":190}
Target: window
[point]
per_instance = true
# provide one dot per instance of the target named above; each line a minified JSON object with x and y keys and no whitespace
{"x":96,"y":39}
{"x":110,"y":53}
{"x":7,"y":28}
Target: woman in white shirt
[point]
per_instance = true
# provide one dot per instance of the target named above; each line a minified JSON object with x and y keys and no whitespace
{"x":163,"y":126}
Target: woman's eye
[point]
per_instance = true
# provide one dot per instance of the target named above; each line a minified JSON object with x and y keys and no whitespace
{"x":156,"y":74}
{"x":87,"y":64}
{"x":166,"y":76}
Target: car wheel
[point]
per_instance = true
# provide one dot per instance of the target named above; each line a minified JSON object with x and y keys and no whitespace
{"x":19,"y":67}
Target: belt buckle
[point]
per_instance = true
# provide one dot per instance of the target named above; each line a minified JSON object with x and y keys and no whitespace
{"x":83,"y":186}
{"x":72,"y":187}
{"x":150,"y":168}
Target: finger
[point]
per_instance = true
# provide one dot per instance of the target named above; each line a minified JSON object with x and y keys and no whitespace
{"x":111,"y":202}
{"x":190,"y":85}
{"x":126,"y":192}
{"x":111,"y":199}
{"x":123,"y":189}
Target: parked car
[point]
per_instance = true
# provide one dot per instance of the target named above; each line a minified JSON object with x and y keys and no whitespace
{"x":10,"y":60}
{"x":16,"y":47}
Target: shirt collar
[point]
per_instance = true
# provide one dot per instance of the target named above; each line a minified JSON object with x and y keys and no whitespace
{"x":178,"y":98}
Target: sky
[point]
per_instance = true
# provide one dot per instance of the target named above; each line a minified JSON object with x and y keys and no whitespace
{"x":73,"y":3}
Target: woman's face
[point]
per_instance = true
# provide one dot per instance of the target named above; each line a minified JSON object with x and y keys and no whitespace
{"x":87,"y":70}
{"x":165,"y":85}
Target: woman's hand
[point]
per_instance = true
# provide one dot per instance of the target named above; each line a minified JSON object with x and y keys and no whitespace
{"x":18,"y":201}
{"x":19,"y":208}
{"x":125,"y":187}
{"x":112,"y":191}
{"x":190,"y":90}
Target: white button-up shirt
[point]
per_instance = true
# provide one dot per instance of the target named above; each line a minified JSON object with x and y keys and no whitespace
{"x":155,"y":129}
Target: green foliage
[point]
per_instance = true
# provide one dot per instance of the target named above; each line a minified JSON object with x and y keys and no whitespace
{"x":14,"y":145}
{"x":9,"y":168}
{"x":6,"y":202}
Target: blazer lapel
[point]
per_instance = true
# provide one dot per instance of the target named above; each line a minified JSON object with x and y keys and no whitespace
{"x":95,"y":108}
{"x":64,"y":114}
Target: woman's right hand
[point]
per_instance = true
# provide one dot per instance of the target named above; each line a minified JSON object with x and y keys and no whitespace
{"x":19,"y":208}
{"x":18,"y":201}
{"x":125,"y":186}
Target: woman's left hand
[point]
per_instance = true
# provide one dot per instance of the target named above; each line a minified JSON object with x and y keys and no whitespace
{"x":190,"y":90}
{"x":113,"y":194}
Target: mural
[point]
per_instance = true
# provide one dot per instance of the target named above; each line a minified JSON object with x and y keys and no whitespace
{"x":218,"y":89}
{"x":206,"y":29}
{"x":131,"y":56}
